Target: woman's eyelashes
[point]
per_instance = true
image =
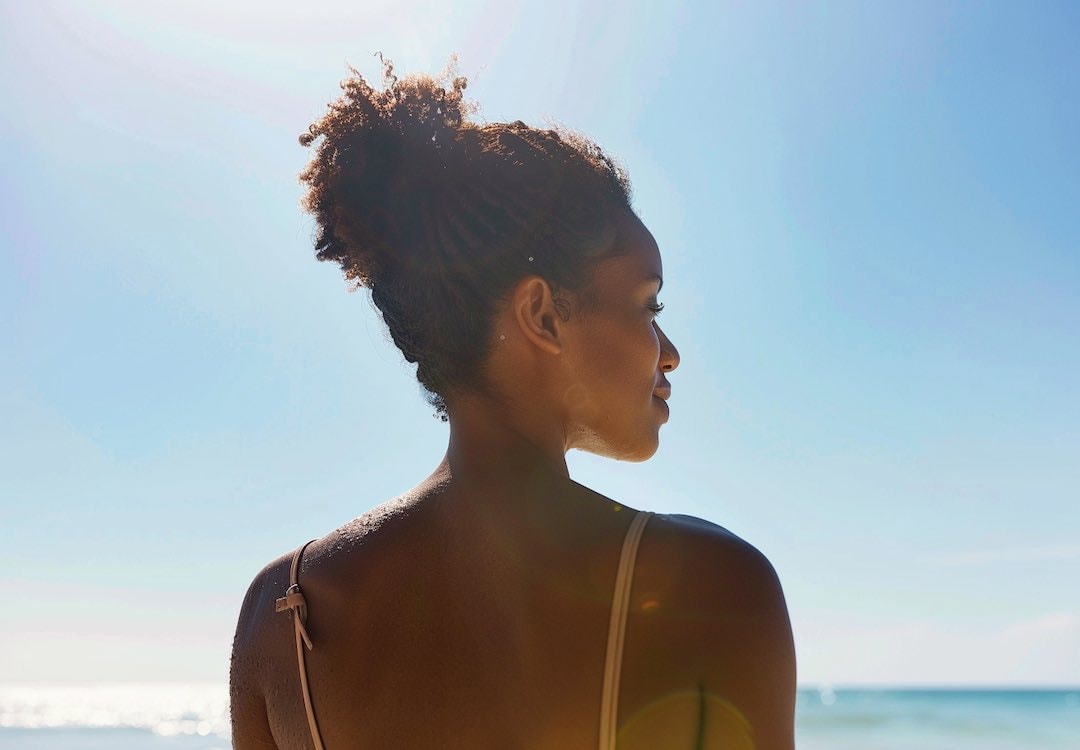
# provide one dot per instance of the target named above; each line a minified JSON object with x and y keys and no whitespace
{"x":655,"y":307}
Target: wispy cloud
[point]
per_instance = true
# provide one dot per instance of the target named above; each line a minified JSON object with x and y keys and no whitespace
{"x":1056,"y":622}
{"x":1040,"y":650}
{"x":1010,"y":554}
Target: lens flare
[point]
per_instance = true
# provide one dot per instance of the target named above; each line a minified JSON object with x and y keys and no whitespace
{"x":687,"y":719}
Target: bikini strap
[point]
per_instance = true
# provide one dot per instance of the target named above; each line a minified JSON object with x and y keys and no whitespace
{"x":620,"y":606}
{"x":295,"y":603}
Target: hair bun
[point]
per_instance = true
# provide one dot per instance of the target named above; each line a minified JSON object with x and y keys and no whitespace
{"x":374,"y":151}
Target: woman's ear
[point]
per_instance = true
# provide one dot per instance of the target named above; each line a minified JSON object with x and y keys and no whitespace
{"x":536,"y":312}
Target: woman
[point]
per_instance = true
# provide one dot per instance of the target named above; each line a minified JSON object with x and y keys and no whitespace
{"x":499,"y":604}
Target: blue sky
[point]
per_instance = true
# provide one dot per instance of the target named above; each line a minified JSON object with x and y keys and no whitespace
{"x":868,"y":215}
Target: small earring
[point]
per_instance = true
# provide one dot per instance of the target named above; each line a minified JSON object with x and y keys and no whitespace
{"x":530,"y":259}
{"x":502,"y":338}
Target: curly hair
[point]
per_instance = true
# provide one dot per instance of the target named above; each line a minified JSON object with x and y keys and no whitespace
{"x":440,"y":216}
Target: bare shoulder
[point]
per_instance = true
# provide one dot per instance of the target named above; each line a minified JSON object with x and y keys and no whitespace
{"x":329,"y":567}
{"x":717,"y":564}
{"x":325,"y":564}
{"x":334,"y":571}
{"x":252,"y":658}
{"x":713,"y":619}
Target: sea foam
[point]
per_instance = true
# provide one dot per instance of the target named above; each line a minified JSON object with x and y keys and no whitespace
{"x":165,"y":709}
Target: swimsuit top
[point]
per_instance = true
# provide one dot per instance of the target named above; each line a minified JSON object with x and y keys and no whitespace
{"x":294,"y":602}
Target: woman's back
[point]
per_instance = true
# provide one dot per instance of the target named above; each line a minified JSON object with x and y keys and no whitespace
{"x":429,"y":633}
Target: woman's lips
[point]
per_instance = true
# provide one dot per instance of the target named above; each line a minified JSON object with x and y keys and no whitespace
{"x":662,"y":405}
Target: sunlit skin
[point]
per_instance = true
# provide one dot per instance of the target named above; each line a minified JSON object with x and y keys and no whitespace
{"x":472,"y":611}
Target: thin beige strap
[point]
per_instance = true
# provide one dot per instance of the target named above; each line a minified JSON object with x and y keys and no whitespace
{"x":620,"y":604}
{"x":294,"y":602}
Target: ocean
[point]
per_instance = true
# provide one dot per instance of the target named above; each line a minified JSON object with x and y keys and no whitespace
{"x":195,"y":717}
{"x":938,"y":719}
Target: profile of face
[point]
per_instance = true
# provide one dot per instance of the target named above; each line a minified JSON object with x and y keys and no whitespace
{"x":616,"y":398}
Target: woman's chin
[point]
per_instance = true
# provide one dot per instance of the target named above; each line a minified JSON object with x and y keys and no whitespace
{"x":641,"y":448}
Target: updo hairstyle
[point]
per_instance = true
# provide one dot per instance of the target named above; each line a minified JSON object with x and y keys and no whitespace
{"x":440,"y":216}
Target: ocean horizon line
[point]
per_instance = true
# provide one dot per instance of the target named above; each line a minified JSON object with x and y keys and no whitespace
{"x":944,"y":686}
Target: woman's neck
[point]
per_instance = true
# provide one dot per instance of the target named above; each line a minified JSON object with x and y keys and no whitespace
{"x":510,"y":481}
{"x":493,"y":443}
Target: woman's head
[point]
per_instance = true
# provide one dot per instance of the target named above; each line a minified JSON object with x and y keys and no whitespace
{"x":440,"y":216}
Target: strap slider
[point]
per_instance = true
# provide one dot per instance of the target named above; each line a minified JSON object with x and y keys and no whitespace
{"x":293,"y":599}
{"x":295,"y":602}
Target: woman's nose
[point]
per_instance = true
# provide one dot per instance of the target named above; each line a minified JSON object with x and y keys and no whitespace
{"x":669,"y":355}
